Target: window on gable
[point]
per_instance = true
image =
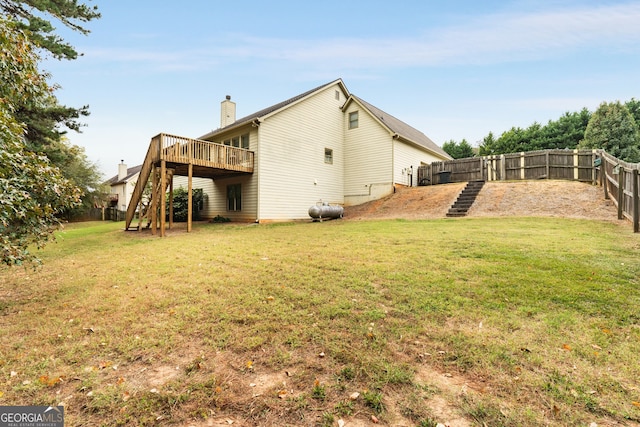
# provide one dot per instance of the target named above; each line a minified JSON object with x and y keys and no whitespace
{"x":337,"y":95}
{"x":353,"y":120}
{"x":328,"y":156}
{"x":234,"y":197}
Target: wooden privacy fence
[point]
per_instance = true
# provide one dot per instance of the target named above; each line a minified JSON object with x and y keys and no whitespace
{"x":576,"y":165}
{"x":621,"y":184}
{"x":619,"y":179}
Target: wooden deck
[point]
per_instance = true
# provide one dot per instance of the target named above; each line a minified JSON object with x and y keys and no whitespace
{"x":170,"y":155}
{"x":209,"y":159}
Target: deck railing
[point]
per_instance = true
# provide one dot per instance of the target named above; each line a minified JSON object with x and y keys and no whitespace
{"x":178,"y":149}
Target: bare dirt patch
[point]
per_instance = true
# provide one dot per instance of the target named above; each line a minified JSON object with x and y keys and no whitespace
{"x":544,"y":198}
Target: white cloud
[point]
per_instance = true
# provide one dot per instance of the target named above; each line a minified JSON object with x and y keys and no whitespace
{"x":487,"y":39}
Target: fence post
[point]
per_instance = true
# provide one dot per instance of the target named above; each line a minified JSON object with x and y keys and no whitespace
{"x":604,"y":177}
{"x":522,"y":168}
{"x":620,"y":192}
{"x":636,"y":196}
{"x":488,"y":165}
{"x":546,"y":163}
{"x":594,"y":170}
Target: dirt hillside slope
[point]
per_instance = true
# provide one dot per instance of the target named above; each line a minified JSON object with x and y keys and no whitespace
{"x":566,"y":199}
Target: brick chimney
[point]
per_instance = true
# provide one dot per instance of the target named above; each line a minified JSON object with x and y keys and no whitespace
{"x":227,"y":112}
{"x":122,"y":170}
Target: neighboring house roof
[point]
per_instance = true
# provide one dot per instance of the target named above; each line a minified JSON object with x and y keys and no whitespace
{"x":400,"y":128}
{"x":130,"y":173}
{"x":260,"y":115}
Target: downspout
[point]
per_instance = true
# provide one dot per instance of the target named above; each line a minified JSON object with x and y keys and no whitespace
{"x":256,"y":164}
{"x":394,"y":138}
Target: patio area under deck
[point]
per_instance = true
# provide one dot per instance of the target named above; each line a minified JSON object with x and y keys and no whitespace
{"x":170,"y":155}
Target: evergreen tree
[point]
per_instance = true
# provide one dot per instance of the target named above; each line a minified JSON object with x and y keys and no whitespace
{"x":633,"y":106}
{"x":29,"y":204}
{"x":613,"y":128}
{"x":45,"y":120}
{"x":40,"y":30}
{"x":460,"y":150}
{"x":567,"y":131}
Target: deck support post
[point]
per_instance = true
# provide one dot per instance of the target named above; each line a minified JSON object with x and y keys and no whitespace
{"x":190,"y":202}
{"x":154,"y":201}
{"x":163,"y":195}
{"x":171,"y":202}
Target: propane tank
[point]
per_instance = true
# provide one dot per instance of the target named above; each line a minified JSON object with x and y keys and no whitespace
{"x":322,"y":211}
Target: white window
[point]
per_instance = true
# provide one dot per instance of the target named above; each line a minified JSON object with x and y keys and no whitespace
{"x":338,"y":95}
{"x":234,"y":197}
{"x":353,"y":120}
{"x":328,"y":156}
{"x":244,"y":141}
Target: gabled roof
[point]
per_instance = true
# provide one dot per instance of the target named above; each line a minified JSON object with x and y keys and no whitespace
{"x":399,"y":128}
{"x":396,"y":127}
{"x":130,"y":172}
{"x":262,"y":114}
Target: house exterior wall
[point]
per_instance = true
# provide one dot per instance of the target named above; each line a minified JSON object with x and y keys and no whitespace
{"x":218,"y":203}
{"x":291,"y":157}
{"x":291,"y":172}
{"x":407,"y":155}
{"x":124,"y":192}
{"x":217,"y":198}
{"x":368,"y":153}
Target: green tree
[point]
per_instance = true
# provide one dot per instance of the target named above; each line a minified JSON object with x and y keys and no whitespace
{"x":30,"y":17}
{"x":566,"y":132}
{"x":487,"y":146}
{"x":613,"y":128}
{"x":633,"y":105}
{"x":511,"y":141}
{"x":43,"y":136}
{"x":458,"y":150}
{"x":46,"y":121}
{"x":82,"y":173}
{"x":29,"y":204}
{"x":181,"y":204}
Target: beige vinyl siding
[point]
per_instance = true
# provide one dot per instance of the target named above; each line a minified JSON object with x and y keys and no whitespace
{"x":292,"y":169}
{"x":124,"y":192}
{"x":217,"y":200}
{"x":368,"y":158}
{"x":218,"y":203}
{"x":405,"y":156}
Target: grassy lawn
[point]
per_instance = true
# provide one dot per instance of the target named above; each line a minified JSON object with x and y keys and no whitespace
{"x":489,"y":321}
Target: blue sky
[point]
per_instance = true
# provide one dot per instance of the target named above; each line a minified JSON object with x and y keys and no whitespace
{"x":454,"y":69}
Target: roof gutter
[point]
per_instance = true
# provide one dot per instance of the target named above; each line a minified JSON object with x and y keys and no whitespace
{"x":435,"y":153}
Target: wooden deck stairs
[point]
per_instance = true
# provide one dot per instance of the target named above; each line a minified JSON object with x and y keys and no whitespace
{"x":170,"y":155}
{"x":465,"y":199}
{"x":145,"y":204}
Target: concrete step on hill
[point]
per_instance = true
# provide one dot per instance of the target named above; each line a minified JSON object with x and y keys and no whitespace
{"x":465,"y":199}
